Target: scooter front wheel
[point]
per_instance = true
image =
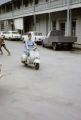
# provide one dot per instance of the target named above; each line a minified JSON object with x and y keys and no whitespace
{"x":37,"y":66}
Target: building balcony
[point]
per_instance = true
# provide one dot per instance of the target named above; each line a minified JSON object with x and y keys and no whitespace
{"x":46,"y":7}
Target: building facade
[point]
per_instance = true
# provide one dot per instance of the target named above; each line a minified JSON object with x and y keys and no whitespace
{"x":42,"y":15}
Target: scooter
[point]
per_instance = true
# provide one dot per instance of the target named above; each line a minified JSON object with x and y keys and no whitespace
{"x":32,"y":59}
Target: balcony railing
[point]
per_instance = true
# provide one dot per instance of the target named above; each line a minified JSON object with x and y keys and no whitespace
{"x":45,"y":7}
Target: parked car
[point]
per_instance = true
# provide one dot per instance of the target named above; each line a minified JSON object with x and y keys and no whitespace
{"x":2,"y":34}
{"x":12,"y":35}
{"x":36,"y":36}
{"x":57,"y":39}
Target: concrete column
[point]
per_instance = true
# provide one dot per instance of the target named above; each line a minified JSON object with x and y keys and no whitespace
{"x":68,"y":19}
{"x":34,"y":16}
{"x":78,"y":30}
{"x":47,"y":24}
{"x":49,"y":21}
{"x":49,"y":16}
{"x":22,"y":3}
{"x":57,"y":25}
{"x":34,"y":22}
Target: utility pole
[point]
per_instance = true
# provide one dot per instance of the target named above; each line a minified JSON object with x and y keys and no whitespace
{"x":68,"y":18}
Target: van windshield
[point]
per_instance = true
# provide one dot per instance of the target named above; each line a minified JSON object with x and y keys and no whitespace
{"x":15,"y":32}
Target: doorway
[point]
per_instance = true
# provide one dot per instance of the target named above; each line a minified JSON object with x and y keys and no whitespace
{"x":62,"y":26}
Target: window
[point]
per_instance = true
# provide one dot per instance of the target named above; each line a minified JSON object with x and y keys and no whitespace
{"x":62,"y":26}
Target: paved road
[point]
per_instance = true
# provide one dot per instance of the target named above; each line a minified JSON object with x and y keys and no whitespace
{"x":52,"y":93}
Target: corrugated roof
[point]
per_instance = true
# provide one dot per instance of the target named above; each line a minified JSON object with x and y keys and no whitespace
{"x":4,"y":1}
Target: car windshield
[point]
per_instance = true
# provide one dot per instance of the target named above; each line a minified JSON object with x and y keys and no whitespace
{"x":15,"y":33}
{"x":6,"y":33}
{"x":38,"y":34}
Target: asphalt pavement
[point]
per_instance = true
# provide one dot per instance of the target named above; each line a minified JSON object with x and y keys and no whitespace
{"x":51,"y":93}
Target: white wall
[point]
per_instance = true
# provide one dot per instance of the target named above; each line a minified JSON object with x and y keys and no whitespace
{"x":41,"y":24}
{"x":18,"y":23}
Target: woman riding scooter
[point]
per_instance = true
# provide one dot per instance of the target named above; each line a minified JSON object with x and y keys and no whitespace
{"x":31,"y":54}
{"x":29,"y":44}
